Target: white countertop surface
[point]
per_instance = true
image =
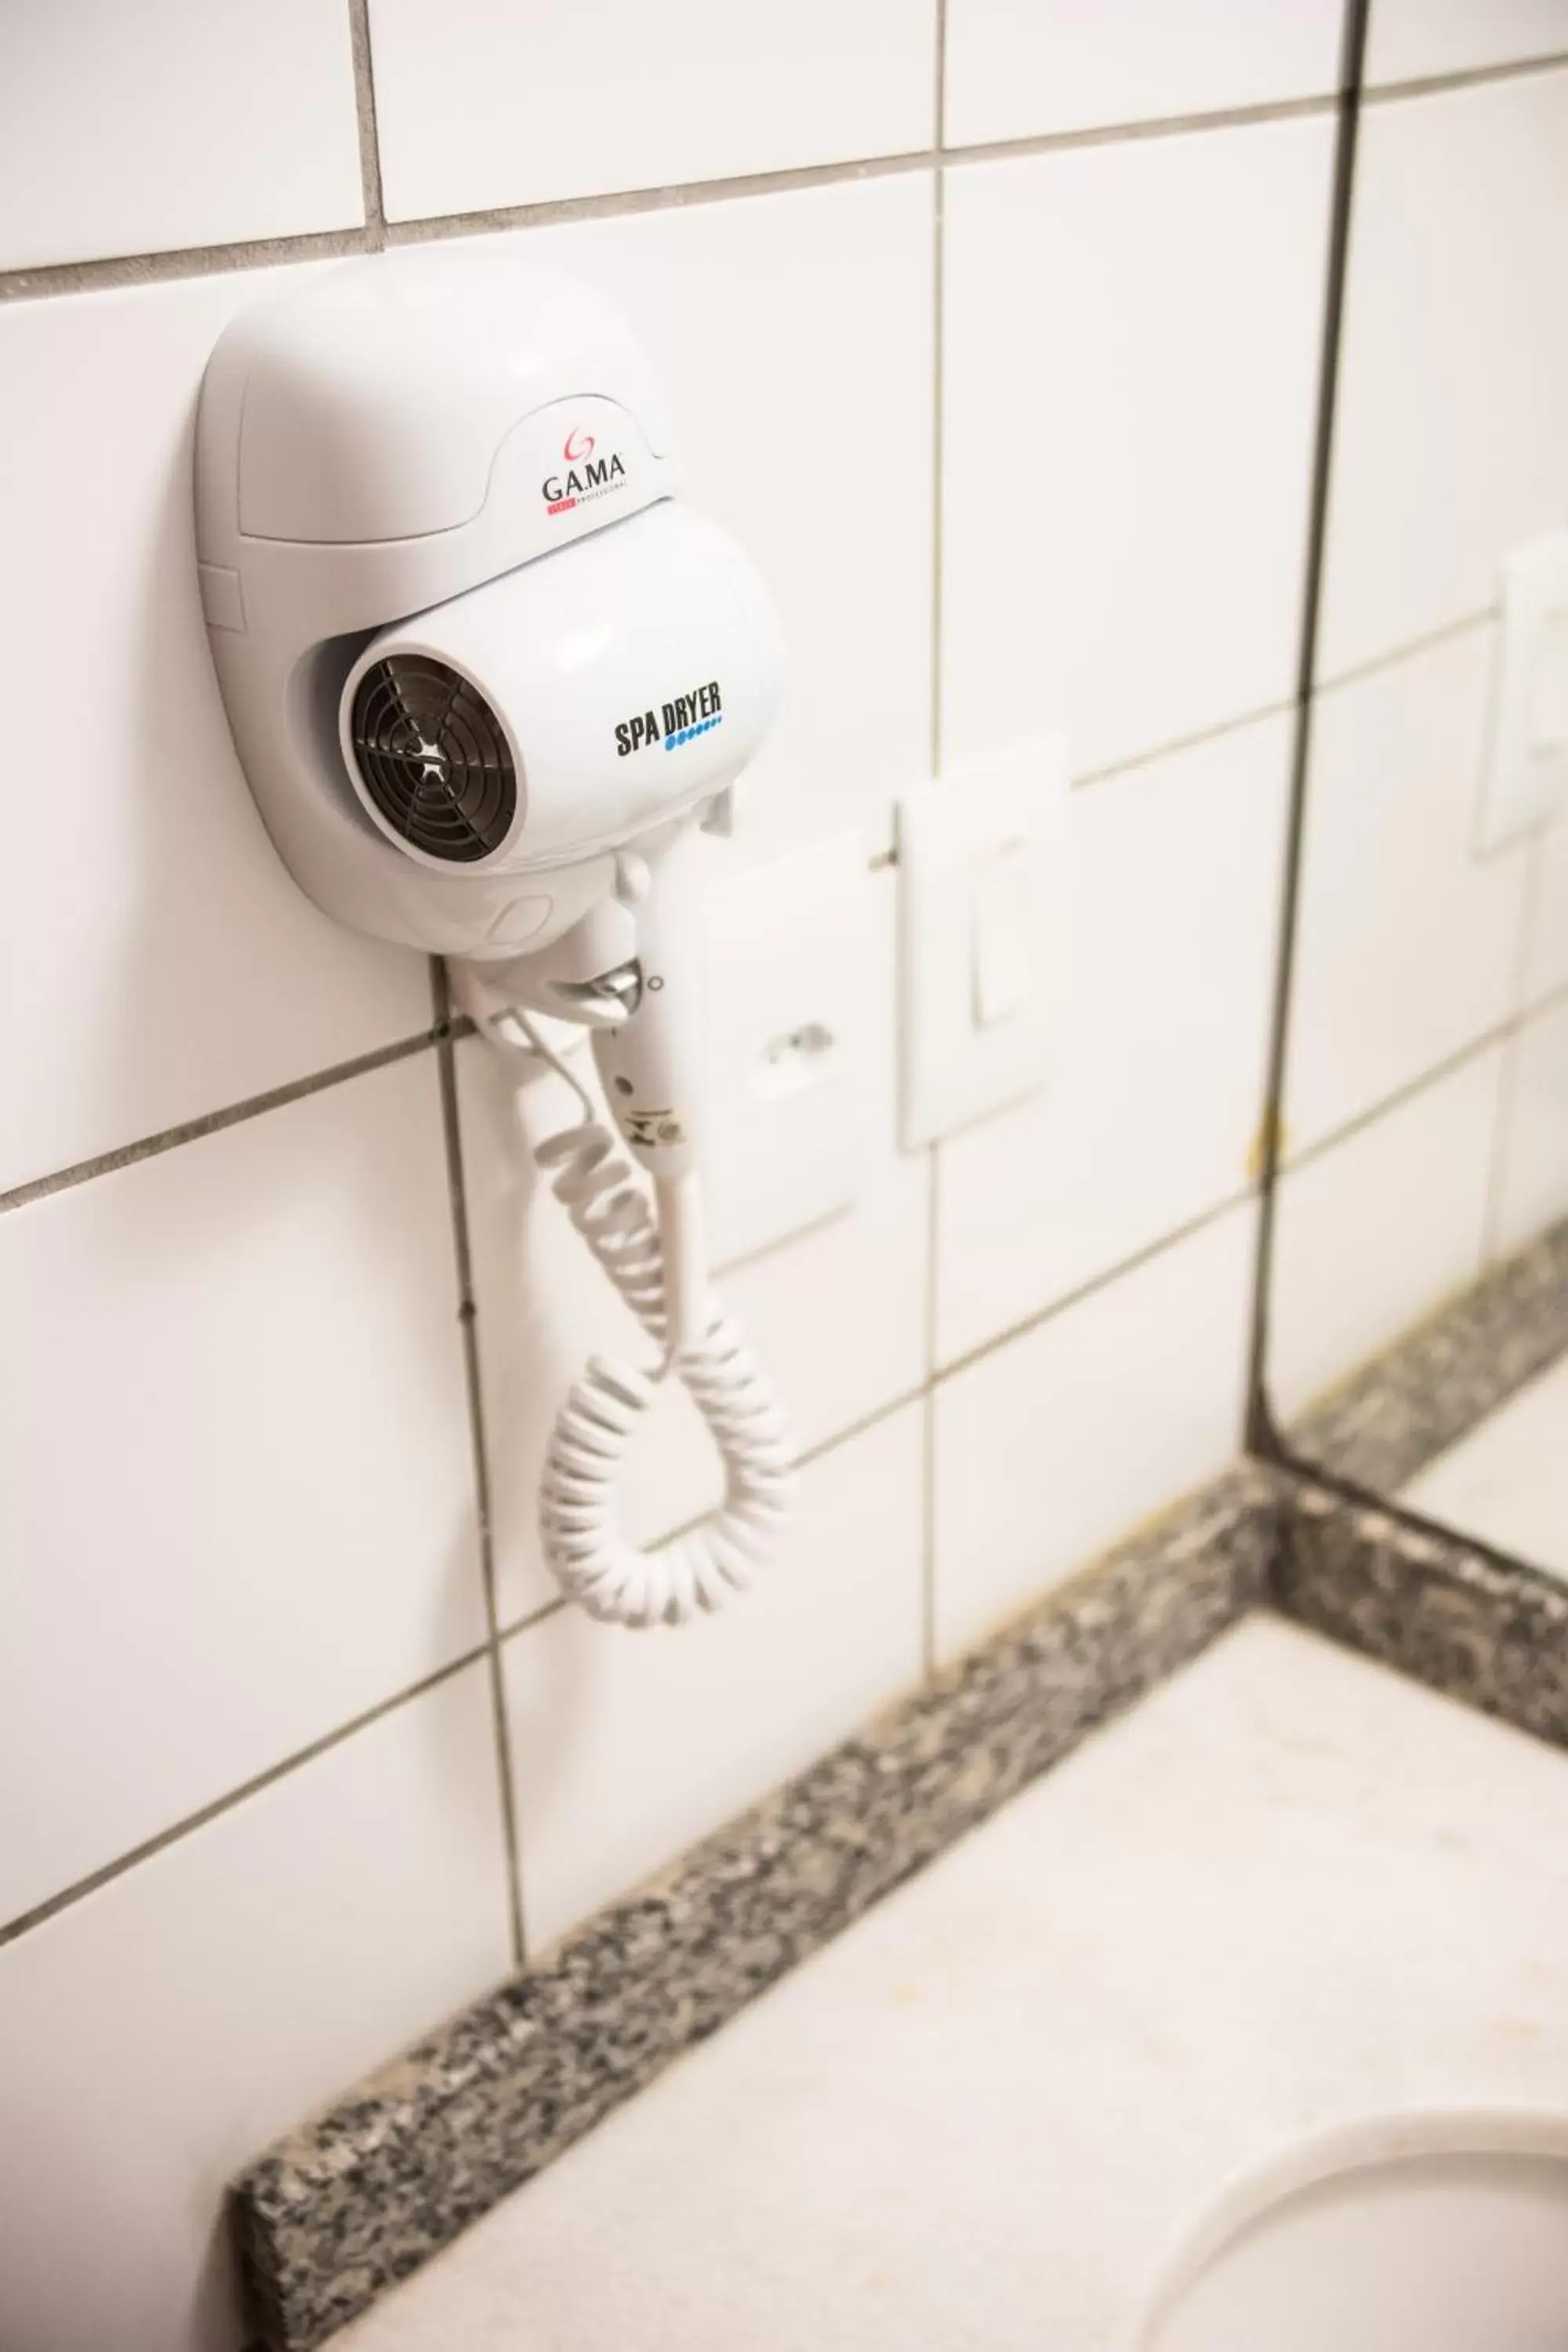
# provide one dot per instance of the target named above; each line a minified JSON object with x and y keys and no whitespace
{"x":1290,"y":1892}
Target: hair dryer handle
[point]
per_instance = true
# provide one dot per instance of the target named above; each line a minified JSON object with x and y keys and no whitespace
{"x":650,"y":1061}
{"x":650,"y":1065}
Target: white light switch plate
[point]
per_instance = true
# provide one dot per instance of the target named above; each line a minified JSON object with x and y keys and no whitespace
{"x":1526,"y":776}
{"x":790,"y":987}
{"x":985,"y":951}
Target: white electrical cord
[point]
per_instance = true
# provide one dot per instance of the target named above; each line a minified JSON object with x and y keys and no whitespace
{"x":579,"y":1522}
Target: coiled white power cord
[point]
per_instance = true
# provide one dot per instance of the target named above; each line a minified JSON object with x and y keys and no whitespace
{"x":586,"y":1551}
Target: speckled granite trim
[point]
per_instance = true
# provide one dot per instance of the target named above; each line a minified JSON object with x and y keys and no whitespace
{"x":1492,"y":1633}
{"x":1386,"y":1421}
{"x":363,"y":2195}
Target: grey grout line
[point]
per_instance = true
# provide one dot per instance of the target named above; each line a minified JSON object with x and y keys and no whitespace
{"x":1158,"y":126}
{"x":681,"y":195}
{"x":212,"y":1122}
{"x":487,"y":1652}
{"x":462,"y":1253}
{"x":365,"y":110}
{"x":547,"y":1609}
{"x":121,"y":270}
{"x":1407,"y":649}
{"x":1434,"y":1075}
{"x":25,"y":1921}
{"x":1027,"y":1325}
{"x":140,"y":269}
{"x":1170,"y":749}
{"x":1470,"y":78}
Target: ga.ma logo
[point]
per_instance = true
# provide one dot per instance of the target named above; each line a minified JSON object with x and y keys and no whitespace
{"x":586,"y":476}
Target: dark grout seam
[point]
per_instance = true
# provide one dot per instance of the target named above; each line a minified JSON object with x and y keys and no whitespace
{"x":10,"y":1930}
{"x":462,"y":1254}
{"x":1258,"y":1432}
{"x":213,"y":1122}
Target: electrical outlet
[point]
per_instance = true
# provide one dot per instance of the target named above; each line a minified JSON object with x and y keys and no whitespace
{"x":790,"y":949}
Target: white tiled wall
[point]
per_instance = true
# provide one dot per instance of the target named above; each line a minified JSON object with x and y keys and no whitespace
{"x":157,"y":2033}
{"x":1409,"y":40}
{"x":252,"y":1845}
{"x":1448,"y":446}
{"x":479,"y":106}
{"x":1418,"y":955}
{"x":1151,"y":1118}
{"x":1408,"y":941}
{"x":175,"y":966}
{"x":626,"y":1752}
{"x":1013,"y":72}
{"x":1128,"y":387}
{"x":1380,"y":1228}
{"x":176,"y":122}
{"x":1049,"y":1449}
{"x":225,"y":1558}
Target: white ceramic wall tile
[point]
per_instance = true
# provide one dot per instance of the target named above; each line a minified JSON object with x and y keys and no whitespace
{"x":1533,"y":1187}
{"x":1052,"y":1447}
{"x":168,"y":963}
{"x":479,"y":107}
{"x":793,"y":334}
{"x":1013,"y":72}
{"x":1409,"y":40}
{"x":836,"y":1314}
{"x":1546,"y":967}
{"x":1153,"y":1111}
{"x":237,"y":1505}
{"x":627,"y":1746}
{"x":156,"y":2035}
{"x":1378,"y":1230}
{"x":1131,"y":347}
{"x":1449,"y":446}
{"x":1407,"y":943}
{"x":176,"y":122}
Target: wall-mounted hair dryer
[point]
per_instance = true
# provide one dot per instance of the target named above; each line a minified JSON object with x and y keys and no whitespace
{"x":487,"y":676}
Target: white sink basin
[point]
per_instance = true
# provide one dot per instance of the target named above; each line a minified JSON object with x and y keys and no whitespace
{"x":1432,"y":2234}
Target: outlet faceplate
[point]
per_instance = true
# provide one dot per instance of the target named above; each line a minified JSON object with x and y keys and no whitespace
{"x":985,"y":950}
{"x":792,"y":991}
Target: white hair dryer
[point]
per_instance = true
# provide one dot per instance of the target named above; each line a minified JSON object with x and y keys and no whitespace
{"x":487,"y":677}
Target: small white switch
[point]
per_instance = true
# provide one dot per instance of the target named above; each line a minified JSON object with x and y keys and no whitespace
{"x":1006,"y":976}
{"x":1527,"y":754}
{"x":984,"y":952}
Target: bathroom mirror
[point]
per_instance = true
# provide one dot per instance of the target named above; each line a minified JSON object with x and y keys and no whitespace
{"x":1416,"y":1340}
